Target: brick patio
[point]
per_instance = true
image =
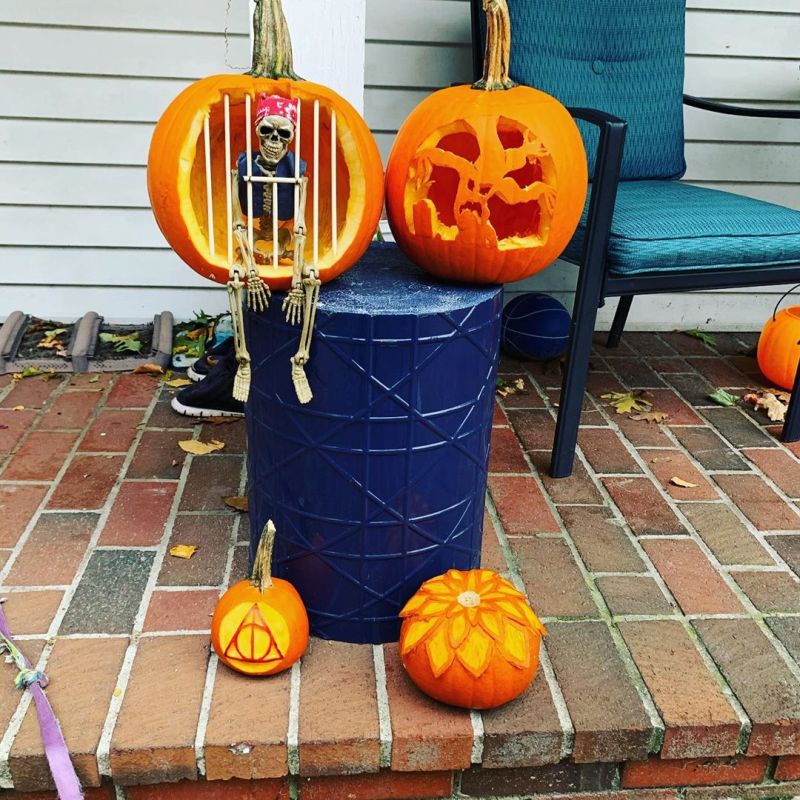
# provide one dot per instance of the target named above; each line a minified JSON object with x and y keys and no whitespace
{"x":674,"y":613}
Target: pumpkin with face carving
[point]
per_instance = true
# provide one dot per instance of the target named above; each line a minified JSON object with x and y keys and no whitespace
{"x":486,"y":183}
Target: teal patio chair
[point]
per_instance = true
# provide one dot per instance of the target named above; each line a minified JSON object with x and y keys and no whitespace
{"x":618,"y":65}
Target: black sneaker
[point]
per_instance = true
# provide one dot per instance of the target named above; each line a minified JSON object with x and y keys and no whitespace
{"x":212,"y":355}
{"x":212,"y":397}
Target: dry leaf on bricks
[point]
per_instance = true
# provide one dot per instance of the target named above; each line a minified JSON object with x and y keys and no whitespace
{"x":651,"y":416}
{"x":176,"y":383}
{"x":183,"y":550}
{"x":626,"y":402}
{"x":238,"y":503}
{"x":675,"y":481}
{"x":149,"y":369}
{"x":197,"y":448}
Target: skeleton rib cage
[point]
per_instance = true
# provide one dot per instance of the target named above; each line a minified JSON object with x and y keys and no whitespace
{"x":251,"y":180}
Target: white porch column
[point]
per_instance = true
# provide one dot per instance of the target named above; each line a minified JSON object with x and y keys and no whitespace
{"x":329,"y":43}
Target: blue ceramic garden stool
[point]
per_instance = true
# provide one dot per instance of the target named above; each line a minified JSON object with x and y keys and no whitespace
{"x":378,"y":483}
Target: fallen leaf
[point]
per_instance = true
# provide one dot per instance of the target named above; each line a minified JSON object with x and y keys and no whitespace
{"x":239,"y":503}
{"x":626,"y":402}
{"x":219,"y":420}
{"x":651,"y":416}
{"x":659,"y":460}
{"x":51,"y":373}
{"x":723,"y":398}
{"x":149,"y":369}
{"x":178,"y":382}
{"x":28,"y":372}
{"x":183,"y":550}
{"x":675,"y":481}
{"x":769,"y":402}
{"x":117,"y":692}
{"x":198,"y":448}
{"x":505,"y":389}
{"x":123,"y":343}
{"x":776,"y":410}
{"x":94,"y":380}
{"x":18,"y":408}
{"x":704,"y":337}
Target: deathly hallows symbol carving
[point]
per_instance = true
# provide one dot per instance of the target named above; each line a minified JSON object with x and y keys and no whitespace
{"x":243,"y":643}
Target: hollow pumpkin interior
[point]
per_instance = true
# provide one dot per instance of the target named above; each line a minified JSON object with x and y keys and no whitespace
{"x":195,"y":208}
{"x":491,"y":179}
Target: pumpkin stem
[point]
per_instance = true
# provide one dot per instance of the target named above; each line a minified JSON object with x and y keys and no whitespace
{"x":272,"y":44}
{"x":261,"y":574}
{"x":497,"y":60}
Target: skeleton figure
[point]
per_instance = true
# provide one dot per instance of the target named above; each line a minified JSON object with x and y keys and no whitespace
{"x":275,"y":125}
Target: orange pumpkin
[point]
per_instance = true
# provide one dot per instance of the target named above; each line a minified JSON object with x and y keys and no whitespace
{"x":487,"y":183}
{"x":176,"y":167}
{"x":470,"y":639}
{"x":778,"y":350}
{"x":260,"y":625}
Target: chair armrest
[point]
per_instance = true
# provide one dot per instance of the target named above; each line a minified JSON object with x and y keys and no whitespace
{"x":606,"y":179}
{"x":740,"y":111}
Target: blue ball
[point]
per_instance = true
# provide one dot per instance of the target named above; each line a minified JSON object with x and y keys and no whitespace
{"x":536,"y":327}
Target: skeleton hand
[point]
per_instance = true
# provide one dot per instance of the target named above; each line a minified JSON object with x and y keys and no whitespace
{"x":258,"y":292}
{"x":293,"y":305}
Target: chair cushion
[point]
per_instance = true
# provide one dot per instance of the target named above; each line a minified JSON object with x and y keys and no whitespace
{"x":661,"y":226}
{"x":624,"y":57}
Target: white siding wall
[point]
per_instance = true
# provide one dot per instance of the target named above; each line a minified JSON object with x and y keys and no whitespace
{"x":737,"y":50}
{"x":81,"y":85}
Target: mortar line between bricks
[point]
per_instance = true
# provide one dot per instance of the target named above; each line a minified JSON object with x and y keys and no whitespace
{"x":629,"y":663}
{"x":213,"y":661}
{"x":384,"y":711}
{"x":10,"y":734}
{"x":293,"y":731}
{"x":746,"y":725}
{"x":37,"y":418}
{"x":755,"y":614}
{"x":557,"y":695}
{"x":103,"y":754}
{"x":23,"y":538}
{"x":478,"y":734}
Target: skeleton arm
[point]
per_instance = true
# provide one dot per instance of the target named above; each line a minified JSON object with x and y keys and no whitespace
{"x":257,"y":291}
{"x":293,"y":304}
{"x":240,"y":236}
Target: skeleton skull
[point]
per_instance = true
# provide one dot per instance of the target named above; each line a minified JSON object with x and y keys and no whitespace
{"x":275,"y":134}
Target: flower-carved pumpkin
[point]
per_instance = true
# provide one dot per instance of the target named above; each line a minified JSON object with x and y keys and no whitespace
{"x":188,"y":153}
{"x":778,"y":350}
{"x":470,"y":639}
{"x":260,"y":625}
{"x":486,"y":183}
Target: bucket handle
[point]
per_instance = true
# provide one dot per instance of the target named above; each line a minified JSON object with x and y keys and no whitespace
{"x":782,"y":298}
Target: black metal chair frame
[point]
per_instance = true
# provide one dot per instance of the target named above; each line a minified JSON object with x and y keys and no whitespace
{"x":595,"y":284}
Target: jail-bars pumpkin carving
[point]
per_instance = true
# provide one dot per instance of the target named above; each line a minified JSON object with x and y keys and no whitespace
{"x":232,"y":154}
{"x":486,"y":183}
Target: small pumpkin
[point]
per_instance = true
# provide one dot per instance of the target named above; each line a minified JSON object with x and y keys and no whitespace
{"x":260,"y":625}
{"x":487,"y":183}
{"x":778,"y":350}
{"x":470,"y":639}
{"x":176,"y":167}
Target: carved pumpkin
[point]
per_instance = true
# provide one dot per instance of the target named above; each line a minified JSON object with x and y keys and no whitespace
{"x":176,"y":168}
{"x":260,"y":625}
{"x":778,"y":350}
{"x":470,"y":639}
{"x":486,"y":183}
